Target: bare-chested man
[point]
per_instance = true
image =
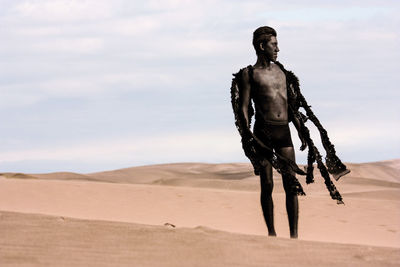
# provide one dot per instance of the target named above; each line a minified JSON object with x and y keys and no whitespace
{"x":265,"y":84}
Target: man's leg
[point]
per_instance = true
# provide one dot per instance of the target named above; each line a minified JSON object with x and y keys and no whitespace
{"x":292,"y":203}
{"x":267,"y":185}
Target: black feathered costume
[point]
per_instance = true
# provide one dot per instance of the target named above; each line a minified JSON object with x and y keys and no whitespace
{"x":259,"y":154}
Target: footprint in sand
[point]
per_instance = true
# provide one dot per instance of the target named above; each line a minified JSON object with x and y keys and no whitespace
{"x":389,"y":230}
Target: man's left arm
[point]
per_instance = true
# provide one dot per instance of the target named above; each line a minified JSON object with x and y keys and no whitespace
{"x":296,"y":122}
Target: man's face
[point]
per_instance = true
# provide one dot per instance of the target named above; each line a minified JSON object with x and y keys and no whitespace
{"x":271,"y":49}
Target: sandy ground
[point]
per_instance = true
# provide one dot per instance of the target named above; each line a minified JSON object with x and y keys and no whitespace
{"x":118,"y":218}
{"x":60,"y":241}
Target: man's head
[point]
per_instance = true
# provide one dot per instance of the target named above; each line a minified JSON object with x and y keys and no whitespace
{"x":265,"y":43}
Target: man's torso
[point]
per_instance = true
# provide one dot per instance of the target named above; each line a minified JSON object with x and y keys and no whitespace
{"x":270,"y":94}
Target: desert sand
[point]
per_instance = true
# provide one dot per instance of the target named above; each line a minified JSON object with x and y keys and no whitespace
{"x":195,"y":214}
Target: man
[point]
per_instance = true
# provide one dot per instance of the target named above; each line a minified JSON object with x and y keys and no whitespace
{"x":265,"y":84}
{"x":276,"y":94}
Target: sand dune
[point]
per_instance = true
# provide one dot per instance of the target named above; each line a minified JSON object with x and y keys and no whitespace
{"x":384,"y":170}
{"x":194,"y":197}
{"x":60,"y":241}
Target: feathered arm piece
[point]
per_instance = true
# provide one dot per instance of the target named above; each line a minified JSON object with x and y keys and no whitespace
{"x":335,"y":166}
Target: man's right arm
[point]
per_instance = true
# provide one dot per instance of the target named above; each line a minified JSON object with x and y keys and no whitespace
{"x":245,"y":95}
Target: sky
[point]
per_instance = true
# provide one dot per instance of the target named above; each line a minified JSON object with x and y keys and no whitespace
{"x":95,"y":85}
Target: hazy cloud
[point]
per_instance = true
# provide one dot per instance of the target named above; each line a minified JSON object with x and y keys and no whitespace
{"x":157,"y":71}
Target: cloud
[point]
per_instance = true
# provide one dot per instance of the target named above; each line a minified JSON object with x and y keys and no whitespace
{"x":361,"y":134}
{"x":140,"y":25}
{"x":63,"y":10}
{"x":203,"y":146}
{"x":11,"y":99}
{"x":71,"y":70}
{"x":70,"y":45}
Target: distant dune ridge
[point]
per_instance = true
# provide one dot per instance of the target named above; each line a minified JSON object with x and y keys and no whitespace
{"x":124,"y":217}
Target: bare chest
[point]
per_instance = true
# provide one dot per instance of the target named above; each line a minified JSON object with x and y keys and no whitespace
{"x":270,"y":84}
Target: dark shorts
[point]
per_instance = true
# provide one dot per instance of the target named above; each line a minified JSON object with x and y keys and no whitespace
{"x":273,"y":135}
